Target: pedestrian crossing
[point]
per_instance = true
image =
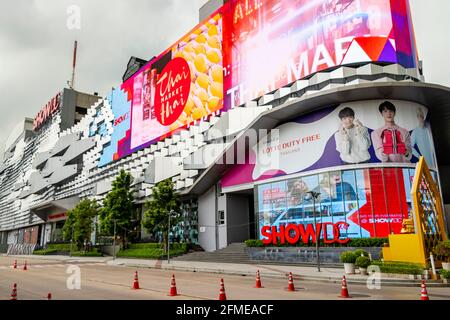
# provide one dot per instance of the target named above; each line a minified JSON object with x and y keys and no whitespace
{"x":51,"y":265}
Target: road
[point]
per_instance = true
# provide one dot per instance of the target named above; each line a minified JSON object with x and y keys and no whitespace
{"x":99,"y":281}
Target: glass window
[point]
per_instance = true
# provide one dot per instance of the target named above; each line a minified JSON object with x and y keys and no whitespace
{"x":325,"y":197}
{"x":349,"y":194}
{"x":365,"y":215}
{"x":312,"y":184}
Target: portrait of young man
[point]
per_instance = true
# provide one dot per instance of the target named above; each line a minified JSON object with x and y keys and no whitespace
{"x":391,"y":142}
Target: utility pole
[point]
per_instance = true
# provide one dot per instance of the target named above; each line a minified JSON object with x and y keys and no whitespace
{"x":71,"y":241}
{"x":114,"y":241}
{"x":168,"y":240}
{"x":72,"y":83}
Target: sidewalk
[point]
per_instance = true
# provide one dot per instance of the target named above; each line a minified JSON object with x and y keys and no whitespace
{"x":305,"y":273}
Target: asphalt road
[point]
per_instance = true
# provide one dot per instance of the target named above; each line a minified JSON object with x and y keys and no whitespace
{"x":102,"y":282}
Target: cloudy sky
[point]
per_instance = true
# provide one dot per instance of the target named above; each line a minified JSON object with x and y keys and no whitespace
{"x":36,"y":45}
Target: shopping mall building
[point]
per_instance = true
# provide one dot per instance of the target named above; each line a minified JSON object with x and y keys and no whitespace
{"x":257,"y":106}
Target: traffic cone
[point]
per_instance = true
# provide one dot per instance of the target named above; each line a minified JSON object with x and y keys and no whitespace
{"x":136,"y":281}
{"x":173,"y":287}
{"x":15,"y":264}
{"x":222,"y":295}
{"x":258,"y":280}
{"x":423,"y":292}
{"x":25,"y":268}
{"x":14,"y":292}
{"x":49,"y":296}
{"x":344,"y":290}
{"x":290,"y":283}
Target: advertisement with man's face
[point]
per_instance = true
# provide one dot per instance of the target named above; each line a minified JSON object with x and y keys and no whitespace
{"x":362,"y":132}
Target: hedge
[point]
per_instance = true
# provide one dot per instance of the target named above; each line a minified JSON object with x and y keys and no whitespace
{"x":399,"y":267}
{"x":445,"y":274}
{"x":152,"y":250}
{"x":45,"y":252}
{"x":363,"y":242}
{"x":62,"y":247}
{"x":93,"y":253}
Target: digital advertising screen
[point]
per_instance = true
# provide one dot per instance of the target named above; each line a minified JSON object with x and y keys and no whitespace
{"x":269,"y":44}
{"x":252,"y":47}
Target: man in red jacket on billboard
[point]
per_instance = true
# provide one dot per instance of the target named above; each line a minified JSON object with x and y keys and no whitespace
{"x":391,"y":142}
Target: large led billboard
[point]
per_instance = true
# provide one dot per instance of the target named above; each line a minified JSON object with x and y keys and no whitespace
{"x":252,"y":47}
{"x":269,"y":44}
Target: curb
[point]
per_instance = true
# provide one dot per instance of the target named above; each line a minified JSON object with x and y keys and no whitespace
{"x":325,"y":279}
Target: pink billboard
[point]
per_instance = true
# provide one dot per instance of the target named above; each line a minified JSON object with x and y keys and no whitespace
{"x":269,"y":44}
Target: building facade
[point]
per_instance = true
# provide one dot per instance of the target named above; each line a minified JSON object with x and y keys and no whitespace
{"x":259,"y":105}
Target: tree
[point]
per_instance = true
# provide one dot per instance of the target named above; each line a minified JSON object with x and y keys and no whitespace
{"x":80,"y":222}
{"x":118,"y":207}
{"x":164,"y":201}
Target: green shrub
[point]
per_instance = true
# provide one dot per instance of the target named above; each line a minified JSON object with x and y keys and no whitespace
{"x":44,"y":252}
{"x":61,"y":247}
{"x":442,"y":250}
{"x":445,"y":274}
{"x":152,"y":250}
{"x":145,"y":246}
{"x":348,"y":257}
{"x":361,"y":252}
{"x":93,"y":253}
{"x":398,"y":267}
{"x":362,"y":262}
{"x":254,"y":243}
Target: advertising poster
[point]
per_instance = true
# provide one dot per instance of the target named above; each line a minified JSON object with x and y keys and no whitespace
{"x":181,"y":86}
{"x":271,"y":43}
{"x":375,"y":131}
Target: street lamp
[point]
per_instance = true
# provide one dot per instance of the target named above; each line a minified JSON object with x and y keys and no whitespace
{"x":114,"y":241}
{"x":315,"y":195}
{"x":168,"y":238}
{"x":71,"y":241}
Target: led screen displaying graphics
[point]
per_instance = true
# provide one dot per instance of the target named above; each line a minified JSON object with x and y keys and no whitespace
{"x":269,"y":44}
{"x":252,"y":47}
{"x":375,"y":131}
{"x":373,"y":202}
{"x":184,"y":84}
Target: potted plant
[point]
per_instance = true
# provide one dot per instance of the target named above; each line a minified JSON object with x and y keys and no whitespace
{"x":445,"y":275}
{"x":442,"y":252}
{"x":361,"y":252}
{"x":362,"y":263}
{"x":349,"y":259}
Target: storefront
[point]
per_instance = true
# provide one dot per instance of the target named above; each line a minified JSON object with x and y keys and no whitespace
{"x":359,"y":157}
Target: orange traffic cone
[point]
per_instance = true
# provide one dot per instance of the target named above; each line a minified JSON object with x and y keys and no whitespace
{"x":14,"y":292}
{"x":49,"y":296}
{"x":290,"y":283}
{"x":173,"y":287}
{"x":423,"y":292}
{"x":344,"y":290}
{"x":15,"y":264}
{"x":258,"y":280}
{"x":222,"y":295}
{"x":25,"y":267}
{"x":136,"y":281}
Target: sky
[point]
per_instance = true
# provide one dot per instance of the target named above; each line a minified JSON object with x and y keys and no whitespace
{"x":36,"y":44}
